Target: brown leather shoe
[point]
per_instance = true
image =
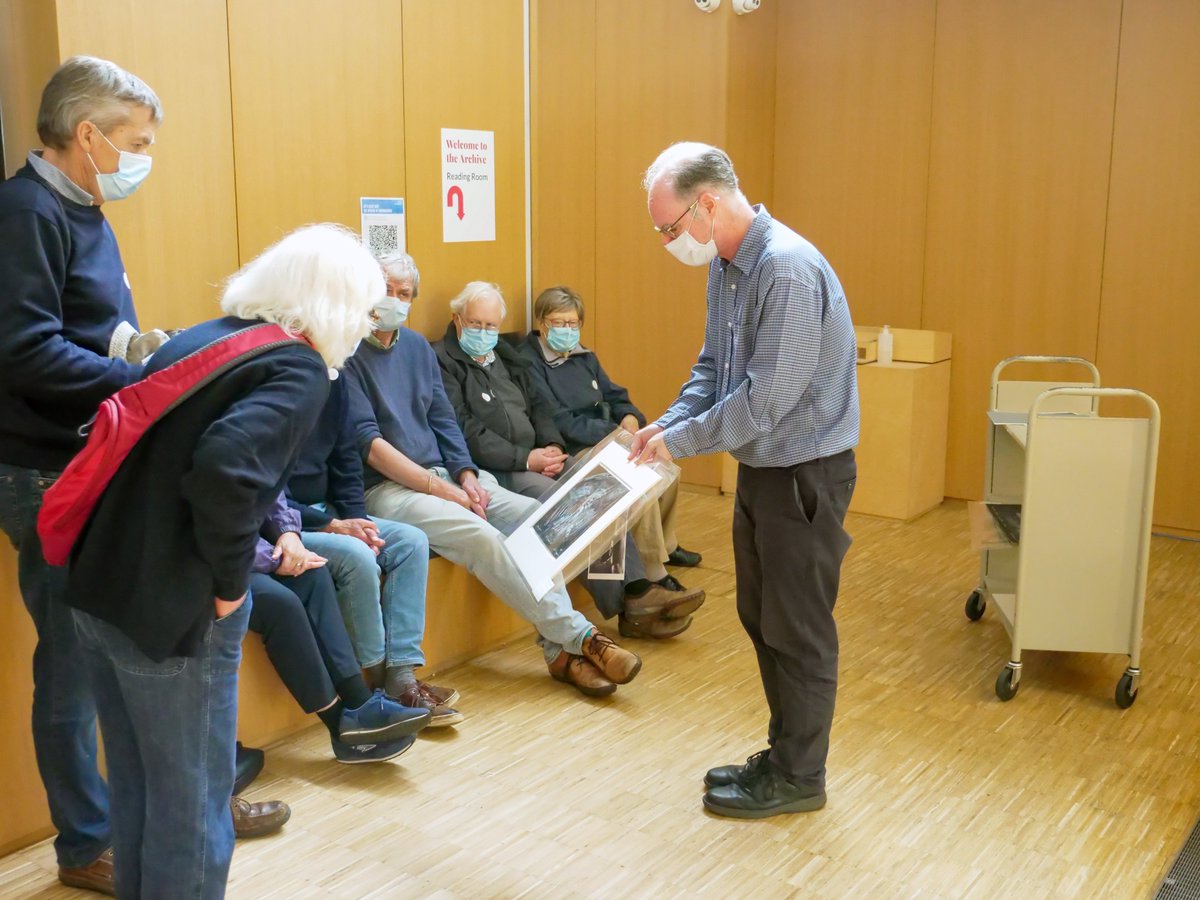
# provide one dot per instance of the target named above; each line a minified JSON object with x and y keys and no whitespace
{"x":258,"y":819}
{"x":96,"y":876}
{"x":657,"y":628}
{"x":619,"y":666}
{"x":661,"y":601}
{"x":415,"y":696}
{"x":576,"y":670}
{"x":445,"y":696}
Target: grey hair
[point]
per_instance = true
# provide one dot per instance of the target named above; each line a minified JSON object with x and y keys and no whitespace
{"x":557,"y":299}
{"x":473,"y":291}
{"x":400,"y":265}
{"x":690,"y":166}
{"x":87,"y":89}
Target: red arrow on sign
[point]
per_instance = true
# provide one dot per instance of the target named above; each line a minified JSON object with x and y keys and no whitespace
{"x":455,"y":191}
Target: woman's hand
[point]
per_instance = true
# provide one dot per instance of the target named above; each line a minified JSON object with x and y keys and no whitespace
{"x":294,"y":558}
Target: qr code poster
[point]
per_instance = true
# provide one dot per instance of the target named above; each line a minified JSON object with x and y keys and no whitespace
{"x":383,"y":224}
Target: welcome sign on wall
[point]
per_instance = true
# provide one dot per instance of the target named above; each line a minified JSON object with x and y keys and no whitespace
{"x":468,"y":185}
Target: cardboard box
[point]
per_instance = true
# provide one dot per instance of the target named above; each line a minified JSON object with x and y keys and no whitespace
{"x":910,"y":344}
{"x":904,"y":411}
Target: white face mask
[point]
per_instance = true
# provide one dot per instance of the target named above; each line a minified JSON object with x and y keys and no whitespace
{"x":690,"y":251}
{"x":132,"y":169}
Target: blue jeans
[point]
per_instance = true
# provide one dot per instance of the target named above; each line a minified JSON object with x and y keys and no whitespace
{"x":391,"y":631}
{"x":169,"y":731}
{"x":64,"y":711}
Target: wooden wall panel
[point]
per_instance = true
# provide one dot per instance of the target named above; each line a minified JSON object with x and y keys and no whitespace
{"x":318,"y":113}
{"x":178,"y":234}
{"x":650,"y":93}
{"x":464,"y":68}
{"x":852,"y":144}
{"x":1019,"y":154}
{"x":28,"y":57}
{"x":23,"y":814}
{"x":750,"y":101}
{"x":564,"y":151}
{"x":1149,"y":315}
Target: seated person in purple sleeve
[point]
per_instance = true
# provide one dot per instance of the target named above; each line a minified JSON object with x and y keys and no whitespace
{"x":586,"y":406}
{"x":386,"y":625}
{"x":514,"y":437}
{"x":297,"y":615}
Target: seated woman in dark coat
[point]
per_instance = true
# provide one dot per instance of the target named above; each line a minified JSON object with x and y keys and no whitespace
{"x":586,"y":406}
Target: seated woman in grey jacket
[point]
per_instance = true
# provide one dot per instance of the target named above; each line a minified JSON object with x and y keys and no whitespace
{"x":511,"y":433}
{"x":586,"y":405}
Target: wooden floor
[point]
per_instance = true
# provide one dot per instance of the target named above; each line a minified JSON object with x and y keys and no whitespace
{"x":936,"y":788}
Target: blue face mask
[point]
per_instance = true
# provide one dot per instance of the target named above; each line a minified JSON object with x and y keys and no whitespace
{"x":562,"y":340}
{"x":132,"y":169}
{"x":477,"y":341}
{"x":390,"y":313}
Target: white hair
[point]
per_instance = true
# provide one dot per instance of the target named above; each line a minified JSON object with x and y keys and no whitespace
{"x":319,"y":281}
{"x":472,"y":292}
{"x":400,"y":266}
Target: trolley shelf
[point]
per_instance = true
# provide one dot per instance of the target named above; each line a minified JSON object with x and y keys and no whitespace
{"x":1074,"y":576}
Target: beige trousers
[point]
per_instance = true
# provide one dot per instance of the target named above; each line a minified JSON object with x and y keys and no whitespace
{"x":654,"y":532}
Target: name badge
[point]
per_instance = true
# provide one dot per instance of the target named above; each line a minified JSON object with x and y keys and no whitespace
{"x":486,"y":396}
{"x":595,"y":387}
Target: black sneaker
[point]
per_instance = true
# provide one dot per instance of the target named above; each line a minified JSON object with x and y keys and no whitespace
{"x":681,"y":557}
{"x":370,"y":753}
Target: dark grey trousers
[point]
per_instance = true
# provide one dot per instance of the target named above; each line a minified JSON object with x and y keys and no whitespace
{"x":788,"y":545}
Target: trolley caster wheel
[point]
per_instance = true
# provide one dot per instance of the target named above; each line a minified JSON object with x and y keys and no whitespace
{"x":975,"y":606}
{"x":1005,"y":688}
{"x":1126,"y":692}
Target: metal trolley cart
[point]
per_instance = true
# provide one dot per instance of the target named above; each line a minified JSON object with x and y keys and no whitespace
{"x":1073,"y":495}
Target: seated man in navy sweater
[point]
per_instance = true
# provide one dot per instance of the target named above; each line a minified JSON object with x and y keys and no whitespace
{"x":419,"y":472}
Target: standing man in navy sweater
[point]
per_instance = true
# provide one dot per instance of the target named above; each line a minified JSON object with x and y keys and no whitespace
{"x":63,"y":293}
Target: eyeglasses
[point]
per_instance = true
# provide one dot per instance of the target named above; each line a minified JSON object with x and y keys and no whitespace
{"x":561,"y":323}
{"x":476,"y":324}
{"x":669,"y":230}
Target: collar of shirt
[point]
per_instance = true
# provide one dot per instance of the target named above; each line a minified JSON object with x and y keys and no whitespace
{"x":486,"y":361}
{"x":755,"y":240}
{"x":378,"y":344}
{"x":553,"y":357}
{"x":57,"y":179}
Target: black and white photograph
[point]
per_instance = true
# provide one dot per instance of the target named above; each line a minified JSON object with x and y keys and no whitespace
{"x":579,"y":509}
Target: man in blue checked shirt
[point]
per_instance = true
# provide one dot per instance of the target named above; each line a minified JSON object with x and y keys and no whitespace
{"x":774,"y":385}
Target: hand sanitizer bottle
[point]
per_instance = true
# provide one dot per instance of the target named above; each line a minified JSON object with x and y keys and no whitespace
{"x":884,"y":347}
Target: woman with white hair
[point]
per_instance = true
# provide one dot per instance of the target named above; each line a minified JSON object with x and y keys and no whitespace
{"x":159,"y":580}
{"x":63,"y":293}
